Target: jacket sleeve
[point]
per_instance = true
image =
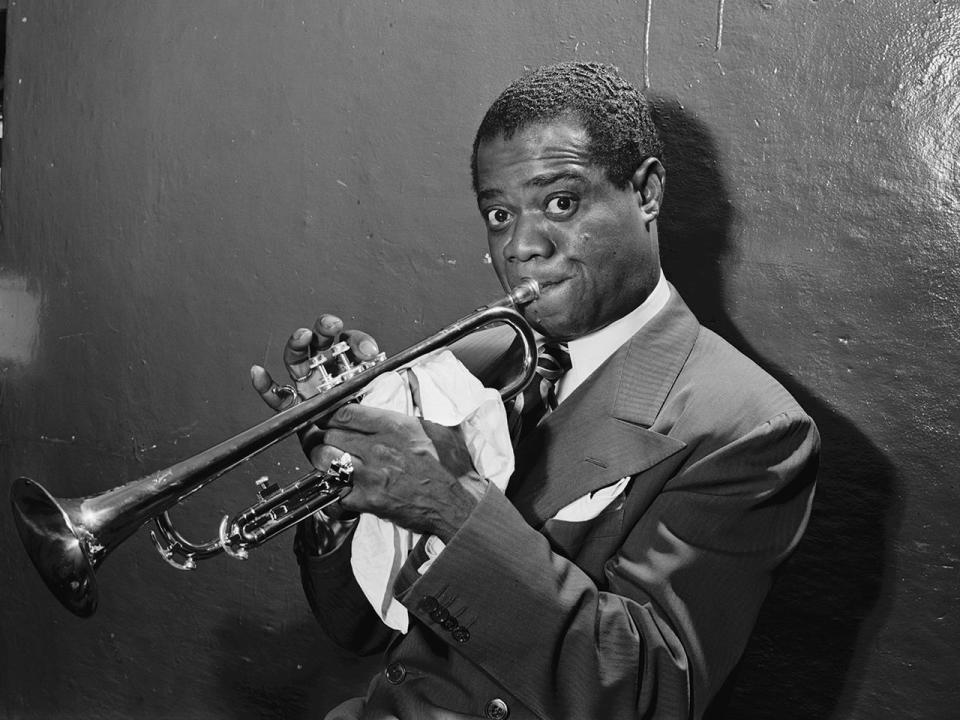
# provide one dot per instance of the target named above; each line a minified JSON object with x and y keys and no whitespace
{"x":336,"y":600}
{"x":657,"y":637}
{"x":328,"y":582}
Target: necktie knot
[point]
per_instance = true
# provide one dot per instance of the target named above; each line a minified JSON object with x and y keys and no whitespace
{"x":553,"y":360}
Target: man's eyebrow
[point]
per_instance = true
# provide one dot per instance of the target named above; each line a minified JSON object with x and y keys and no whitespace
{"x":487,"y":193}
{"x":551,"y":178}
{"x":536,"y":181}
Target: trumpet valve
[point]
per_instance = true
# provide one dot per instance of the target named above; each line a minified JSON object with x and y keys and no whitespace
{"x":331,"y":367}
{"x":340,"y":352}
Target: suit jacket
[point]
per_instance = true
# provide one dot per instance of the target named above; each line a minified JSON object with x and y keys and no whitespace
{"x":641,"y":612}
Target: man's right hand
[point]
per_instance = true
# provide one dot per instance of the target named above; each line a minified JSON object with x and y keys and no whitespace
{"x":302,"y":345}
{"x":300,"y":348}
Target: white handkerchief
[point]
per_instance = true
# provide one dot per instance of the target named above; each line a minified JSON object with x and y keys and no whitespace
{"x":589,"y":506}
{"x":449,"y":395}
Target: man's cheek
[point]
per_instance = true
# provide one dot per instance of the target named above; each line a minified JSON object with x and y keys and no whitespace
{"x":499,"y":266}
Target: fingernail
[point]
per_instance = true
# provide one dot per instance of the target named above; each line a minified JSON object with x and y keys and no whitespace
{"x":368,"y":347}
{"x":300,"y":334}
{"x":328,"y":323}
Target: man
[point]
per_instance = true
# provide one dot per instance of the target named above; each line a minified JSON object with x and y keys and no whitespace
{"x":621,"y":573}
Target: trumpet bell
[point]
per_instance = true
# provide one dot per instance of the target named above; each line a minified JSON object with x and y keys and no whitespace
{"x":54,"y":545}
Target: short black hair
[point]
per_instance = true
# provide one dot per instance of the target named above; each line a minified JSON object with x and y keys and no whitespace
{"x":614,"y":113}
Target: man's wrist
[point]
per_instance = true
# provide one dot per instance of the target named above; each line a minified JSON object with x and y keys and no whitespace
{"x":465,"y":495}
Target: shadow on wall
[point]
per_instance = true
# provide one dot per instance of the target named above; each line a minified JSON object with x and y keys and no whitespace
{"x":808,"y":650}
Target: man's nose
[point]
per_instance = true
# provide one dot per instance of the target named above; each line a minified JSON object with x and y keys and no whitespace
{"x":530,"y":239}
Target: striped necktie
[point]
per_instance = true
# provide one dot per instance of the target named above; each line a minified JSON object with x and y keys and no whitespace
{"x":539,"y":398}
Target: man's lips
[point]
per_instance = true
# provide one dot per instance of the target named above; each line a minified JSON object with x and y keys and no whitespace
{"x":547,"y":283}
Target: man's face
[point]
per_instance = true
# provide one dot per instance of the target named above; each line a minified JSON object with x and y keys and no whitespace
{"x":555,"y":217}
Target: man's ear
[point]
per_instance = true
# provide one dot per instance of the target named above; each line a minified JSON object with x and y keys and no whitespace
{"x":648,"y":181}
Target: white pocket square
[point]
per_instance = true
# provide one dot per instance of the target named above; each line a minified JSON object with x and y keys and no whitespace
{"x":589,"y":506}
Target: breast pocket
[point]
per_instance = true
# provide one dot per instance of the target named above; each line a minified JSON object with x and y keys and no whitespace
{"x":570,"y":537}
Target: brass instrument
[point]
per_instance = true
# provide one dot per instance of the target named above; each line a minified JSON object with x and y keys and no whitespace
{"x":68,"y":538}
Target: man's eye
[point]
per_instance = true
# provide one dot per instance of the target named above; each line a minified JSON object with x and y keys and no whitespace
{"x":561,"y":206}
{"x":497,"y":218}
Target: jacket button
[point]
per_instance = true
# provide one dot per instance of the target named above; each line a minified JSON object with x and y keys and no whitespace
{"x":429,"y":604}
{"x":460,"y":634}
{"x":439,"y":614}
{"x":449,"y":624}
{"x":497,"y":709}
{"x":395,"y":673}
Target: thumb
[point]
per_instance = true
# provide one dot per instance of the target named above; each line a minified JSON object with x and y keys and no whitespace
{"x":276,"y":396}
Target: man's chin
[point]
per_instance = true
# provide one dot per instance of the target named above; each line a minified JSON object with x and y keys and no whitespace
{"x":547,"y":324}
{"x":549,"y":314}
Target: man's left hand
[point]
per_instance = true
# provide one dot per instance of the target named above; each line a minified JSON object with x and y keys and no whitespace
{"x":423,"y":482}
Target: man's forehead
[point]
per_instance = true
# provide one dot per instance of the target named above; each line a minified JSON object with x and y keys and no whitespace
{"x":563,"y":131}
{"x":551,"y":143}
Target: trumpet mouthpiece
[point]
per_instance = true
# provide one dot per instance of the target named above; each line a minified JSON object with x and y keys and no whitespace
{"x":525,"y":292}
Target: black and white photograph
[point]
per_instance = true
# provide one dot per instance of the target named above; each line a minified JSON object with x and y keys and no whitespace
{"x":424,"y":360}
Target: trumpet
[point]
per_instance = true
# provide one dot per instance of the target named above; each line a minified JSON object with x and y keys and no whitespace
{"x":68,"y":538}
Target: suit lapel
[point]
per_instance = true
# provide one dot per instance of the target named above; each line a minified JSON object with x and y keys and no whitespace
{"x":600,"y":433}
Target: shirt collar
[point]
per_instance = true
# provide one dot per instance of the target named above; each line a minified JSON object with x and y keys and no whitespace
{"x":589,"y":352}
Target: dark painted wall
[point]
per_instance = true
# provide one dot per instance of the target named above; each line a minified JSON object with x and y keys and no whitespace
{"x":183,"y":184}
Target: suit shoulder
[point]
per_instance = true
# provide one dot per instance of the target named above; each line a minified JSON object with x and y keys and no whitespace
{"x":719,"y":380}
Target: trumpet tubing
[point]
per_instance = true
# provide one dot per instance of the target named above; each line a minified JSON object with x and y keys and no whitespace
{"x":68,"y":538}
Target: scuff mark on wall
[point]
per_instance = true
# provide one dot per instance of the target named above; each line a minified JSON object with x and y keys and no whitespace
{"x":19,"y":320}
